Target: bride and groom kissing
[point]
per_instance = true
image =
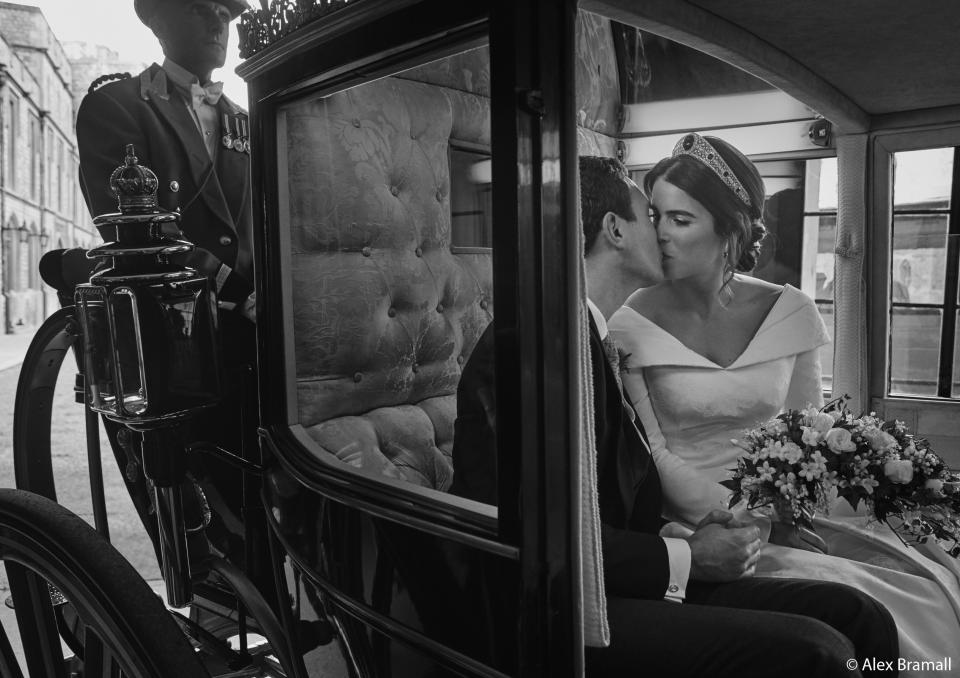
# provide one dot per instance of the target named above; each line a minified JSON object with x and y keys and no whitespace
{"x":749,"y":608}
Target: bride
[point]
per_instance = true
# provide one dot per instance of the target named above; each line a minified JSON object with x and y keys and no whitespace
{"x":710,"y":353}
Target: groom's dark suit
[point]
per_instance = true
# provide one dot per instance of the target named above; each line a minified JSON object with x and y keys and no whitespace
{"x":750,"y":627}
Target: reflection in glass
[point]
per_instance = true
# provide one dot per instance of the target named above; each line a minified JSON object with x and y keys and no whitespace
{"x":955,"y":384}
{"x":826,"y":351}
{"x":923,"y":178}
{"x":821,"y":185}
{"x":914,"y":351}
{"x":471,"y":197}
{"x":824,"y":228}
{"x":386,"y":190}
{"x":919,"y":258}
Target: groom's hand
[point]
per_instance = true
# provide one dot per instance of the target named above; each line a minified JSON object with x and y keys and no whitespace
{"x":719,"y":553}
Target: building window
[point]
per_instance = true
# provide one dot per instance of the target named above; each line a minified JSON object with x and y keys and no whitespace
{"x":59,"y":175}
{"x":471,"y":197}
{"x":923,"y":275}
{"x":12,"y":127}
{"x":35,"y":157}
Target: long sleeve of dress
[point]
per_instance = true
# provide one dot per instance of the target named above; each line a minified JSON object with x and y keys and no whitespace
{"x":688,"y":494}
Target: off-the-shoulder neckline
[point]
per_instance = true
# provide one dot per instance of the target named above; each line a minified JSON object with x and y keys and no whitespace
{"x":774,"y":314}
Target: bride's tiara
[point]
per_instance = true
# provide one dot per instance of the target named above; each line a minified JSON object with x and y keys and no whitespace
{"x":695,"y":145}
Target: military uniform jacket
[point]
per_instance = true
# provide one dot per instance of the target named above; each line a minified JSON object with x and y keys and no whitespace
{"x":213,"y":195}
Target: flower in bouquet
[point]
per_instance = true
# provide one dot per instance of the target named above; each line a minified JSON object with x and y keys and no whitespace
{"x":795,"y":463}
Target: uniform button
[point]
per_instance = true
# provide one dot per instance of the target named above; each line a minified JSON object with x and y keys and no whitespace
{"x":439,"y":308}
{"x":439,"y":196}
{"x":460,"y":360}
{"x":356,"y":122}
{"x":357,"y":377}
{"x":365,"y":251}
{"x":415,"y":368}
{"x":225,"y":240}
{"x":174,"y":186}
{"x":483,"y":304}
{"x":392,"y":312}
{"x":673,"y":588}
{"x":394,"y":190}
{"x":418,"y":252}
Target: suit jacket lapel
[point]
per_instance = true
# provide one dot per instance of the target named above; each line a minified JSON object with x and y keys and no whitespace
{"x":155,"y":88}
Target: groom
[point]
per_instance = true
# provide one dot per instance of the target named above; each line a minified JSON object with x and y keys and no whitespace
{"x":729,"y":623}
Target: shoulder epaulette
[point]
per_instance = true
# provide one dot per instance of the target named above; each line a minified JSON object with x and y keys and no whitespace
{"x":105,"y":79}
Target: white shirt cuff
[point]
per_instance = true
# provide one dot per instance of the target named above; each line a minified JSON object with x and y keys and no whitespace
{"x":678,"y":553}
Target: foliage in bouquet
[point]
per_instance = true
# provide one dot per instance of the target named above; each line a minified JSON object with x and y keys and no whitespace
{"x":797,"y":462}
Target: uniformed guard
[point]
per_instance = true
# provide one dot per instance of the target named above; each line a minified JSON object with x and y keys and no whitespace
{"x":179,"y":121}
{"x":189,"y":133}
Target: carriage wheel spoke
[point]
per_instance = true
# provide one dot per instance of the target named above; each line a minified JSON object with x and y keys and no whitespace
{"x":35,"y":618}
{"x":93,"y":656}
{"x":9,"y":666}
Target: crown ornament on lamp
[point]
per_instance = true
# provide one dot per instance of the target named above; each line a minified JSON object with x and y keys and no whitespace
{"x":260,"y":28}
{"x":148,"y":323}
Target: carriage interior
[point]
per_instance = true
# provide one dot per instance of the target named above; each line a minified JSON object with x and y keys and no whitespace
{"x":385,"y":202}
{"x":383,"y":252}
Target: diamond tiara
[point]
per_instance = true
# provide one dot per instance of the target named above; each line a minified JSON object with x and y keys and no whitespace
{"x":695,"y":145}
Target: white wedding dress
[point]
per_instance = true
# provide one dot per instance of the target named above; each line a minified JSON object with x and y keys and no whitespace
{"x":694,"y":408}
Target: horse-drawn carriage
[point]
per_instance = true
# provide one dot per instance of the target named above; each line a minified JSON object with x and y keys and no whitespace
{"x":414,"y":161}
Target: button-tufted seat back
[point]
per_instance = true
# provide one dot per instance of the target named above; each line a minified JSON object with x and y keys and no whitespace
{"x":386,"y":309}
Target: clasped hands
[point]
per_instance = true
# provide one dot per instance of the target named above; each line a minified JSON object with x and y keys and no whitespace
{"x":726,"y":547}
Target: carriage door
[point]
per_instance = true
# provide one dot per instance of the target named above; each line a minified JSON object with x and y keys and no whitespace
{"x":412,"y":167}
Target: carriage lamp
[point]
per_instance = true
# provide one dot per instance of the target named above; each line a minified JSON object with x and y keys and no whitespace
{"x":148,"y":324}
{"x":148,"y":328}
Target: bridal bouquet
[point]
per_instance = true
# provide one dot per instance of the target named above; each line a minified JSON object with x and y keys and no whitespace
{"x":799,"y":461}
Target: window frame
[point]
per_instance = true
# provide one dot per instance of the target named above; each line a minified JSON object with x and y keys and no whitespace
{"x":883,"y":146}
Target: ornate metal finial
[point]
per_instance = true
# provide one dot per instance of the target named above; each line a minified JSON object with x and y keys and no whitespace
{"x":134,"y":185}
{"x":260,"y":28}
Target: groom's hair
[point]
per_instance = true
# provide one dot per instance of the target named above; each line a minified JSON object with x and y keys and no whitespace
{"x":603,"y":188}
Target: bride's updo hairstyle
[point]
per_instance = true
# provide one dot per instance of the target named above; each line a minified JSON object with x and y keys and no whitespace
{"x":724,"y":181}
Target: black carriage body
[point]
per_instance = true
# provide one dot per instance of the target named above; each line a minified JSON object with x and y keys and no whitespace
{"x":419,"y":581}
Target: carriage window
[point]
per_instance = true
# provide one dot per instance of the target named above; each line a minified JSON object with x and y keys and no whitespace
{"x":819,"y":238}
{"x":667,"y":87}
{"x":923,"y":276}
{"x":471,"y":201}
{"x":386,"y":188}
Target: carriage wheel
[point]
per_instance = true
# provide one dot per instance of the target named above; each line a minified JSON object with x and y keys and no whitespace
{"x":40,"y":391}
{"x":70,"y":588}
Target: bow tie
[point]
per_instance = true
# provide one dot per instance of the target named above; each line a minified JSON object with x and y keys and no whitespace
{"x":209,"y":94}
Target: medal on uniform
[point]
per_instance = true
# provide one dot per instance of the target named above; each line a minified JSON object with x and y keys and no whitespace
{"x":244,"y":122}
{"x":227,"y":138}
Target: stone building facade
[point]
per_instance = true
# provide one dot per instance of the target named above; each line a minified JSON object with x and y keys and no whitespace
{"x":41,"y":207}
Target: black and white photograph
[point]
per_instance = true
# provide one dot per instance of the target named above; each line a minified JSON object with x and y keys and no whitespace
{"x":489,"y":339}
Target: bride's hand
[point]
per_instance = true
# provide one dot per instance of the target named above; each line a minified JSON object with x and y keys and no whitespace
{"x":797,"y":537}
{"x":741,"y":517}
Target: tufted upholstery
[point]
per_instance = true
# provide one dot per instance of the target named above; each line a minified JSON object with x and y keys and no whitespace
{"x":598,"y":89}
{"x":386,"y":311}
